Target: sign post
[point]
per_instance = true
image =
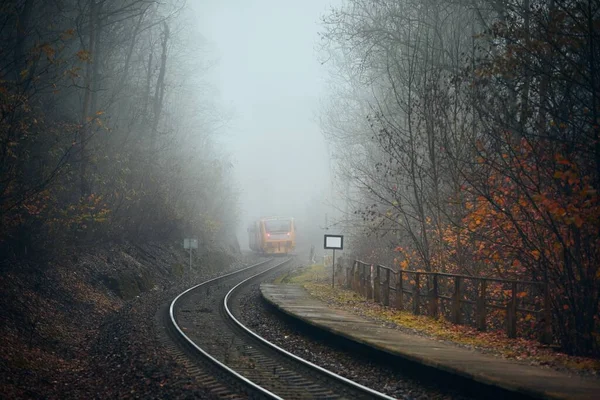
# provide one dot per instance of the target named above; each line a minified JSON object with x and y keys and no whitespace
{"x":190,"y":244}
{"x":333,"y":242}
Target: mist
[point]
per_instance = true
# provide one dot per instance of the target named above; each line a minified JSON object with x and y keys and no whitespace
{"x":139,"y":139}
{"x":268,"y":74}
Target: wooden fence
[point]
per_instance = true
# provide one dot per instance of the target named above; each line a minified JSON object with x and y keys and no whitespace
{"x":462,"y":299}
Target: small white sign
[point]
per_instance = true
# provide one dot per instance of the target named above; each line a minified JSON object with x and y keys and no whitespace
{"x":190,"y":243}
{"x":334,"y":242}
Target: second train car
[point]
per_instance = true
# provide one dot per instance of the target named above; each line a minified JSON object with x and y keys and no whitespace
{"x":272,"y":235}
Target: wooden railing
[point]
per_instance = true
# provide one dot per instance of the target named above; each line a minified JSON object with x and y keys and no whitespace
{"x":462,"y":299}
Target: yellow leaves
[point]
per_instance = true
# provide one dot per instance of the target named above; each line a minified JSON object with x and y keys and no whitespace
{"x":84,"y":55}
{"x":535,"y":254}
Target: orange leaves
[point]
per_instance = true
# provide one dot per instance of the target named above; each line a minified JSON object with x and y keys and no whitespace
{"x":523,"y":202}
{"x":578,"y":221}
{"x":68,"y":34}
{"x":532,"y":204}
{"x":48,"y":50}
{"x":84,"y":55}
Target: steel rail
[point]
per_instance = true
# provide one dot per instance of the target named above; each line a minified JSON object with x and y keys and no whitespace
{"x":354,"y":385}
{"x":202,"y":351}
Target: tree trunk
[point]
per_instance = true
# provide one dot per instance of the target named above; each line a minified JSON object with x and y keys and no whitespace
{"x":84,"y":131}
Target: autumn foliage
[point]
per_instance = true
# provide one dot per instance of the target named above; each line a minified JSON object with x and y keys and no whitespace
{"x":481,"y":155}
{"x":92,"y":143}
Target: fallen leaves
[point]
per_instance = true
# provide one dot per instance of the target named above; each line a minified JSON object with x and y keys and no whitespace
{"x":493,"y":342}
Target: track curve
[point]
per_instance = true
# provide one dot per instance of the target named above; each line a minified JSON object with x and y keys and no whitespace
{"x":248,"y":364}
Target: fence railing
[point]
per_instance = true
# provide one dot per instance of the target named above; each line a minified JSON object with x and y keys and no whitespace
{"x":521,"y":307}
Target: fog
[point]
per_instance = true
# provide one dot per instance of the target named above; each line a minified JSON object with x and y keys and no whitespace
{"x":437,"y":136}
{"x":269,"y":76}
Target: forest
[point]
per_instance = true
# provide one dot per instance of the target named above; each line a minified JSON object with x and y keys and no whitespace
{"x":465,"y":138}
{"x":106,"y":127}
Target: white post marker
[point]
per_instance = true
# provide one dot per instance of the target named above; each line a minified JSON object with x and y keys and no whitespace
{"x":190,"y":244}
{"x":334,"y":242}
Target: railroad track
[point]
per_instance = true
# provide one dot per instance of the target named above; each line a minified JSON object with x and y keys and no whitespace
{"x":231,"y":361}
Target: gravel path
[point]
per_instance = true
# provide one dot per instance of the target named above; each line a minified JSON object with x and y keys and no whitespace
{"x":259,"y":317}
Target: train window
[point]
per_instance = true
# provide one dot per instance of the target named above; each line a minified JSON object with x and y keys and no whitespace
{"x":277,"y":225}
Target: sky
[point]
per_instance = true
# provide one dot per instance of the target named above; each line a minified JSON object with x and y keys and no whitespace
{"x":268,"y":74}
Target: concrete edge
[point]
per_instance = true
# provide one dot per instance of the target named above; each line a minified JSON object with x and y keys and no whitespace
{"x":482,"y":379}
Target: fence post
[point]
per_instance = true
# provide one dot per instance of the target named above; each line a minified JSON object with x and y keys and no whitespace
{"x":369,"y":286}
{"x":386,"y":288}
{"x":356,"y":278}
{"x":361,"y":272}
{"x":546,"y":337}
{"x":376,"y":290}
{"x":363,"y":280}
{"x":416,"y":294}
{"x":481,"y":314}
{"x":347,"y":278}
{"x":399,"y":292}
{"x":511,"y":313}
{"x":456,"y":317}
{"x":433,"y":302}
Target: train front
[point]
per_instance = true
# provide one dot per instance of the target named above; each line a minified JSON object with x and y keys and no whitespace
{"x":279,"y":235}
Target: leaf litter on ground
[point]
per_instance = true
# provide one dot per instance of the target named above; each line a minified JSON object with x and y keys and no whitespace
{"x":316,"y":279}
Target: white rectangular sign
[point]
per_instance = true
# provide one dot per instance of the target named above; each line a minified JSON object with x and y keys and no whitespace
{"x":190,"y":243}
{"x":335,"y":242}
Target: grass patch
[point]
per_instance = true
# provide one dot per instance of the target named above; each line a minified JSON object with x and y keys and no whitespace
{"x":306,"y":274}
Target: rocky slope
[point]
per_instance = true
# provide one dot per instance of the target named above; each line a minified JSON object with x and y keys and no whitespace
{"x":82,"y":326}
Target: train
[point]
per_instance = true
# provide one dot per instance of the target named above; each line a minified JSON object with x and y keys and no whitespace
{"x":272,"y":235}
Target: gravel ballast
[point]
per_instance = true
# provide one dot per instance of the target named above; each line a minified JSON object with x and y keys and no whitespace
{"x":285,"y":333}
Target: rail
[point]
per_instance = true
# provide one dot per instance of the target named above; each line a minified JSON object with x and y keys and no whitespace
{"x":264,"y":380}
{"x":462,"y":299}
